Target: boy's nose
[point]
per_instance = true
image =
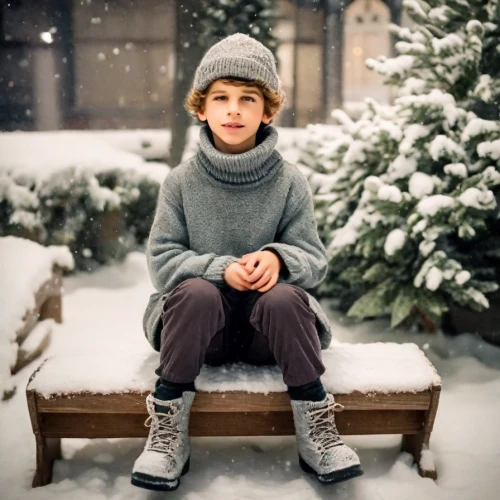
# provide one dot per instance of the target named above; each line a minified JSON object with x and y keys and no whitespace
{"x":233,"y":109}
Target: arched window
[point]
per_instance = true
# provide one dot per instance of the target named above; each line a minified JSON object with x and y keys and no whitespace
{"x":366,"y":34}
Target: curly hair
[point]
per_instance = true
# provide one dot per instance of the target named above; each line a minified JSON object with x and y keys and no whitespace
{"x":273,"y":101}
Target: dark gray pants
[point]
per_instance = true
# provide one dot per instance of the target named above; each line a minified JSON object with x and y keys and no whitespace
{"x":204,"y":324}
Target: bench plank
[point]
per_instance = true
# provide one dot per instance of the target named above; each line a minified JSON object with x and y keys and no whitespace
{"x":34,"y":345}
{"x":47,"y":305}
{"x":112,"y":425}
{"x":228,"y":402}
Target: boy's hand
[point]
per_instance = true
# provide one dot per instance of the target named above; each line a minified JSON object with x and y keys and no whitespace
{"x":263,"y":277}
{"x":236,"y":276}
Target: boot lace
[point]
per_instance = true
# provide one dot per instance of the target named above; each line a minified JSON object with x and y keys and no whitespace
{"x":323,"y":429}
{"x":165,"y":433}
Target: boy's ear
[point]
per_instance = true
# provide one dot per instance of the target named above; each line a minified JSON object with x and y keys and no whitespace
{"x":201,"y":115}
{"x":267,"y":119}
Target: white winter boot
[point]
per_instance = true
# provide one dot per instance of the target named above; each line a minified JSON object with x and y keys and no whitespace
{"x":166,"y":455}
{"x":321,"y":451}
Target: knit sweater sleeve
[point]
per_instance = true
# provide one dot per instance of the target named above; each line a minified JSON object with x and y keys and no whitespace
{"x":298,"y":243}
{"x":169,"y":259}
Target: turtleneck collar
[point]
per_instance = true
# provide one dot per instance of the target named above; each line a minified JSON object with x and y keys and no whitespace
{"x":240,"y":171}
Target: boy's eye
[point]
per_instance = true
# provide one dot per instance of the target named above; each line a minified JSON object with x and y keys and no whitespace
{"x":223,"y":97}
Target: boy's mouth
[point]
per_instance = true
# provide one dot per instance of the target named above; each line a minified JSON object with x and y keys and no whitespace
{"x":233,"y":125}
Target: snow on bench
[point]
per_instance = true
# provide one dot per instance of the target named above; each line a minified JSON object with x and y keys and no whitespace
{"x":30,"y":290}
{"x":385,"y":388}
{"x":35,"y":344}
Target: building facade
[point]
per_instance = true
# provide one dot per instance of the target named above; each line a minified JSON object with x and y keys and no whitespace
{"x":78,"y":64}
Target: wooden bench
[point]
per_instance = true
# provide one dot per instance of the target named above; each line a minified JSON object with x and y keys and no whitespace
{"x":384,"y":388}
{"x":30,"y":302}
{"x":33,"y":335}
{"x":48,"y":305}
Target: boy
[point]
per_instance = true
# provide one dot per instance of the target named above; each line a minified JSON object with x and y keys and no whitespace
{"x":233,"y":247}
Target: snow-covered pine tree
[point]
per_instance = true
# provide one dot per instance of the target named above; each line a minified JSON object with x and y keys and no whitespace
{"x":412,"y":223}
{"x":222,"y":18}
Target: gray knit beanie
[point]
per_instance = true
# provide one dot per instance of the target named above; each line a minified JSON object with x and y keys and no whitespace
{"x":239,"y":56}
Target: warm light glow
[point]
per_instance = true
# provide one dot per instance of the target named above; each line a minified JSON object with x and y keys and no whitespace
{"x":357,"y":51}
{"x":46,"y":36}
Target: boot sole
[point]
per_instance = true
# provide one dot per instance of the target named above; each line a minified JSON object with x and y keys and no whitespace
{"x":157,"y":483}
{"x":333,"y":477}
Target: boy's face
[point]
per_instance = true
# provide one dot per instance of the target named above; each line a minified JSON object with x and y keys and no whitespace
{"x":234,"y":114}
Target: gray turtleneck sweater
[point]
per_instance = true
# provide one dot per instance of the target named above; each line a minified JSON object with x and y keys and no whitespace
{"x":216,"y":207}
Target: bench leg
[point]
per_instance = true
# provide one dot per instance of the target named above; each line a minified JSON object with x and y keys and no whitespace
{"x":52,"y":308}
{"x":415,"y":444}
{"x":418,"y":443}
{"x":47,"y":450}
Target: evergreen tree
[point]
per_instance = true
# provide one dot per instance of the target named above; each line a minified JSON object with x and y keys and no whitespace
{"x":411,"y":216}
{"x":222,"y":18}
{"x":189,"y":47}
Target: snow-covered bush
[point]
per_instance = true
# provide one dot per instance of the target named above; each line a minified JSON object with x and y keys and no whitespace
{"x":69,"y":208}
{"x":76,"y":190}
{"x":407,"y":197}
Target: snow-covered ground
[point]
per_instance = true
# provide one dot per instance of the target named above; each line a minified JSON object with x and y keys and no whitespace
{"x":103,"y":312}
{"x":98,"y":150}
{"x":155,"y":143}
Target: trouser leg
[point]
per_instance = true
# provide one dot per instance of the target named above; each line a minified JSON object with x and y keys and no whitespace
{"x":192,"y":316}
{"x":283,"y":316}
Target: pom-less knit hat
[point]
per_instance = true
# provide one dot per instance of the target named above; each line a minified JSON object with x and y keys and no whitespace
{"x":239,"y":56}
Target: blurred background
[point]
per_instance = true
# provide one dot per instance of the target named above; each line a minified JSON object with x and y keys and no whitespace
{"x":95,"y":64}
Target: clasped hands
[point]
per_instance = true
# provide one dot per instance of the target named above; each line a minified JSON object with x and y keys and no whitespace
{"x":257,"y":271}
